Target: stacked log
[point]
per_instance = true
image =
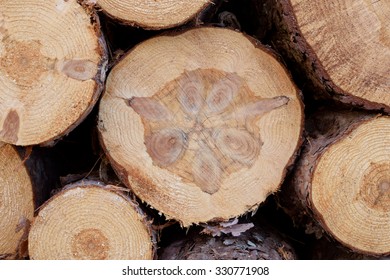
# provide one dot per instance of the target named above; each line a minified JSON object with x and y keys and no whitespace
{"x":211,"y":128}
{"x":24,"y":186}
{"x":52,"y":68}
{"x":341,"y":47}
{"x":151,"y":15}
{"x":342,"y":179}
{"x":73,"y":225}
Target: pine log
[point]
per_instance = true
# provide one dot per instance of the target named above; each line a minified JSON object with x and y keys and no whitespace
{"x":255,"y":244}
{"x":92,"y":221}
{"x":16,"y":202}
{"x":23,"y":187}
{"x":151,"y":14}
{"x":342,"y":46}
{"x":52,"y":67}
{"x":201,"y":125}
{"x":342,"y":181}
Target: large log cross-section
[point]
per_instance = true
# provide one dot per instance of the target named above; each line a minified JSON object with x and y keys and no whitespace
{"x":201,"y":125}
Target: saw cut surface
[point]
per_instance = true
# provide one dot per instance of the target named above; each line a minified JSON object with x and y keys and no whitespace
{"x":351,"y":187}
{"x":202,"y":130}
{"x":88,"y":222}
{"x":16,"y":201}
{"x":50,"y":69}
{"x":153,"y":14}
{"x":206,"y":118}
{"x":351,"y":39}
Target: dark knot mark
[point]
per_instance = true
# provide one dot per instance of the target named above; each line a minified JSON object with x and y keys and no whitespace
{"x":177,"y":138}
{"x":10,"y":130}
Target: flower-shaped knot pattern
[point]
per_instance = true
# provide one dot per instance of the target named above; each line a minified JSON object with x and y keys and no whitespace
{"x":203,"y":126}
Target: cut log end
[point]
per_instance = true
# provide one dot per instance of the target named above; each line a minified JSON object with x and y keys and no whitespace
{"x":151,"y":14}
{"x":350,"y":189}
{"x":343,"y":48}
{"x":73,"y":225}
{"x":16,"y":203}
{"x":196,"y":131}
{"x":52,"y":61}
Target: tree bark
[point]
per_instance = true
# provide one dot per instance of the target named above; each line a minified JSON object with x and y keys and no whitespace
{"x":255,"y":244}
{"x":150,"y":14}
{"x":342,"y":180}
{"x":52,"y":67}
{"x":91,"y":220}
{"x":201,"y":125}
{"x":342,"y":46}
{"x":328,"y":249}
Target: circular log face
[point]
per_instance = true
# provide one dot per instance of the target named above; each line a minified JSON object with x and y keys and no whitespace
{"x":351,"y":187}
{"x":50,"y":67}
{"x":351,"y":39}
{"x":74,"y":225}
{"x":16,"y":201}
{"x":200,"y":125}
{"x":153,"y":14}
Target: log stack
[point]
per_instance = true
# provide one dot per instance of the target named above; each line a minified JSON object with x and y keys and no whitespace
{"x":201,"y":123}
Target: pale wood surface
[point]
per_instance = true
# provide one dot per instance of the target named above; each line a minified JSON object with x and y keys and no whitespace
{"x":201,"y":125}
{"x":351,"y":38}
{"x":89,"y":220}
{"x":51,"y":69}
{"x":342,"y":180}
{"x":151,"y":14}
{"x":16,"y":202}
{"x":351,"y":187}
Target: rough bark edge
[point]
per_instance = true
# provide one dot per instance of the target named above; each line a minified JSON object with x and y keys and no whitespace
{"x":206,"y":14}
{"x":123,"y":174}
{"x":296,"y":197}
{"x":202,"y":14}
{"x":258,"y":243}
{"x":287,"y":38}
{"x":99,"y":78}
{"x":118,"y":190}
{"x":327,"y":249}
